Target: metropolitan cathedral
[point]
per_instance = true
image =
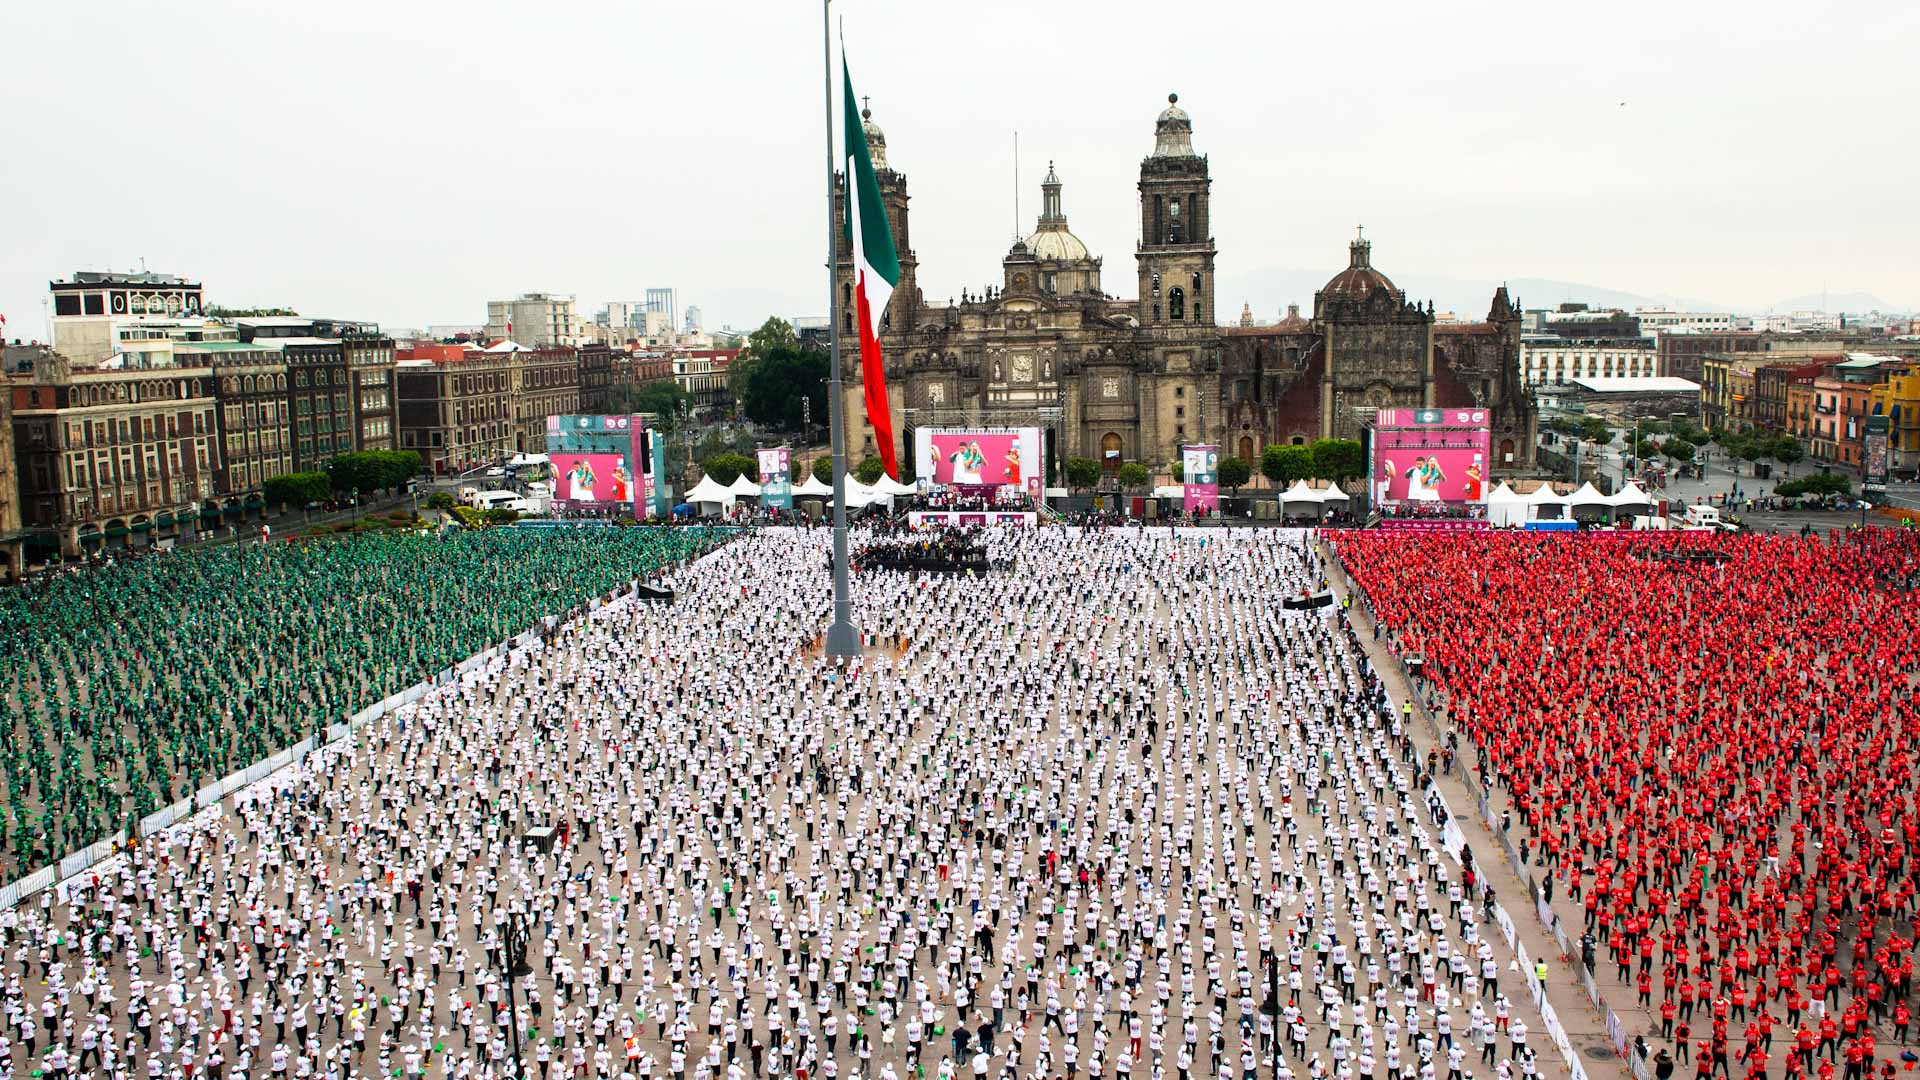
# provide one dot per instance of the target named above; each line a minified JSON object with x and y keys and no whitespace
{"x":1131,"y":380}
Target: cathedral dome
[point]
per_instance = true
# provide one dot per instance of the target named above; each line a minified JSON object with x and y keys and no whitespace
{"x":1051,"y":241}
{"x":1056,"y":245}
{"x":876,"y":140}
{"x":1359,"y":280}
{"x":1173,"y":132}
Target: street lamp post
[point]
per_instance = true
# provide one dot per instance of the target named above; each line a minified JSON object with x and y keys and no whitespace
{"x":517,"y":968}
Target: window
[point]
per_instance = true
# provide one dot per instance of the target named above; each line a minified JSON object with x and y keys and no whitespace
{"x":1176,"y":304}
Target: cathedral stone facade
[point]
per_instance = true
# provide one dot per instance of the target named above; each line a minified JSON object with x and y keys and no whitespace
{"x":1131,"y":380}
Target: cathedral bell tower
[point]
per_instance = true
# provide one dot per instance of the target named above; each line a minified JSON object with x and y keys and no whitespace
{"x":1176,"y":239}
{"x":903,"y":308}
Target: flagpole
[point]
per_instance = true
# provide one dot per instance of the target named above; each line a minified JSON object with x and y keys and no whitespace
{"x":843,"y":639}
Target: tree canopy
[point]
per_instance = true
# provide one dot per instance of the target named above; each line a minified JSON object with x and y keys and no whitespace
{"x":296,"y":489}
{"x":665,"y":399}
{"x":368,"y":471}
{"x":870,"y":469}
{"x":726,"y":468}
{"x":1234,"y":472}
{"x":1133,"y":475}
{"x":1082,"y":472}
{"x":1285,"y":464}
{"x":1337,"y":459}
{"x":776,"y":375}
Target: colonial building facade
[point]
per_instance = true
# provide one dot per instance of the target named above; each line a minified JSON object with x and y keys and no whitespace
{"x":1131,"y":380}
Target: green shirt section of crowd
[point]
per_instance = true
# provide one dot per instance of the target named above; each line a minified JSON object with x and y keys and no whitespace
{"x":129,"y":687}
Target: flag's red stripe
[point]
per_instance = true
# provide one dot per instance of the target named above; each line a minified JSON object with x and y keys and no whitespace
{"x":873,"y":377}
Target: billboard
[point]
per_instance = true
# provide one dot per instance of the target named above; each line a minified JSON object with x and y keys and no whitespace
{"x":1429,"y":456}
{"x":608,"y":445}
{"x":982,"y":459}
{"x":776,"y":479}
{"x":583,"y":481}
{"x":1200,"y":479}
{"x":1877,"y":456}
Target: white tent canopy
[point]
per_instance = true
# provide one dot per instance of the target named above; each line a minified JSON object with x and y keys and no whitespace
{"x":1332,"y":494}
{"x":812,"y":486}
{"x":1631,"y":495}
{"x":709,"y":491}
{"x":1300,"y":492}
{"x":887,"y":485}
{"x":1587,"y":495}
{"x":743,"y":486}
{"x":1544,"y":495}
{"x":1505,"y":507}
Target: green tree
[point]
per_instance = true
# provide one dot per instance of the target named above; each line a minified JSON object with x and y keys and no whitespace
{"x":1234,"y":472}
{"x":1678,"y":449}
{"x":1337,"y":459}
{"x":1645,"y":449}
{"x":1817,"y":484}
{"x":1178,"y":470}
{"x":726,"y":468}
{"x":1285,"y":464}
{"x":440,"y":500}
{"x":296,"y":489}
{"x":664,"y":399}
{"x":1133,"y":475}
{"x":823,"y":469}
{"x":780,"y":381}
{"x":1596,"y":430}
{"x":776,"y":333}
{"x":1786,"y":450}
{"x":1082,"y":473}
{"x":870,"y":470}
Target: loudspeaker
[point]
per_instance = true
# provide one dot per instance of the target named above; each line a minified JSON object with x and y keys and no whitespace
{"x":655,"y":594}
{"x":1321,"y":599}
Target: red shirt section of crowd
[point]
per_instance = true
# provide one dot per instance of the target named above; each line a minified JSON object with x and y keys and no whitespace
{"x":1714,"y":761}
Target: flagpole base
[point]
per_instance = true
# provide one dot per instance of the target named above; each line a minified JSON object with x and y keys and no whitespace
{"x":843,"y":640}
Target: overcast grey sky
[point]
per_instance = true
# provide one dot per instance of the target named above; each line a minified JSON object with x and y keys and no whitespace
{"x":407,"y":160}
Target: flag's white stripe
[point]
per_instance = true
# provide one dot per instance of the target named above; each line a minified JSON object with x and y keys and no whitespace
{"x":865,"y":279}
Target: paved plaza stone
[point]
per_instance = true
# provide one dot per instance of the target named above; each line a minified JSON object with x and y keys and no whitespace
{"x":1072,"y":819}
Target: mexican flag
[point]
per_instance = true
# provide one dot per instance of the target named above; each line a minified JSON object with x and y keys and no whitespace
{"x":876,"y":268}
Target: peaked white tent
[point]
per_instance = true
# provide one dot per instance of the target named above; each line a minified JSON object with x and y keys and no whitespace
{"x":813,"y":487}
{"x":743,"y":486}
{"x":1300,"y":493}
{"x":1546,"y":503}
{"x":890,"y":487}
{"x":709,"y":492}
{"x":1332,"y":494}
{"x":1505,"y":507}
{"x":1631,"y":495}
{"x":1588,"y":495}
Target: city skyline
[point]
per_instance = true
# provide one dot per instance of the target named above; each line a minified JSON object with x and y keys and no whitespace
{"x":1659,"y":155}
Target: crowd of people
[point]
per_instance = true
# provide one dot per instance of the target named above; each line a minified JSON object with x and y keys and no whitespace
{"x":942,"y":550}
{"x":129,"y":686}
{"x":1079,"y":823}
{"x":1712,"y":763}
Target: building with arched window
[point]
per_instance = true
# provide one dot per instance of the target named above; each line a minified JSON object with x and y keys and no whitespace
{"x":1118,"y":379}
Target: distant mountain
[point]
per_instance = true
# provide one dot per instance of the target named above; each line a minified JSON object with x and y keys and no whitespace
{"x":1270,"y":289}
{"x":1853,"y":302}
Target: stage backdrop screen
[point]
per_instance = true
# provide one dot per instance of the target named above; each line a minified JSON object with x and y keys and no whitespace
{"x":1200,"y":479}
{"x":623,"y":438}
{"x":581,"y":481}
{"x":985,"y":458}
{"x":1429,"y":456}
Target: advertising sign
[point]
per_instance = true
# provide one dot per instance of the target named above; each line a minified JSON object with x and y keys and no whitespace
{"x":609,"y":445}
{"x":1429,"y":456}
{"x":1876,"y":449}
{"x":1006,"y":457}
{"x":592,"y":481}
{"x":1200,"y":483}
{"x":776,"y":482}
